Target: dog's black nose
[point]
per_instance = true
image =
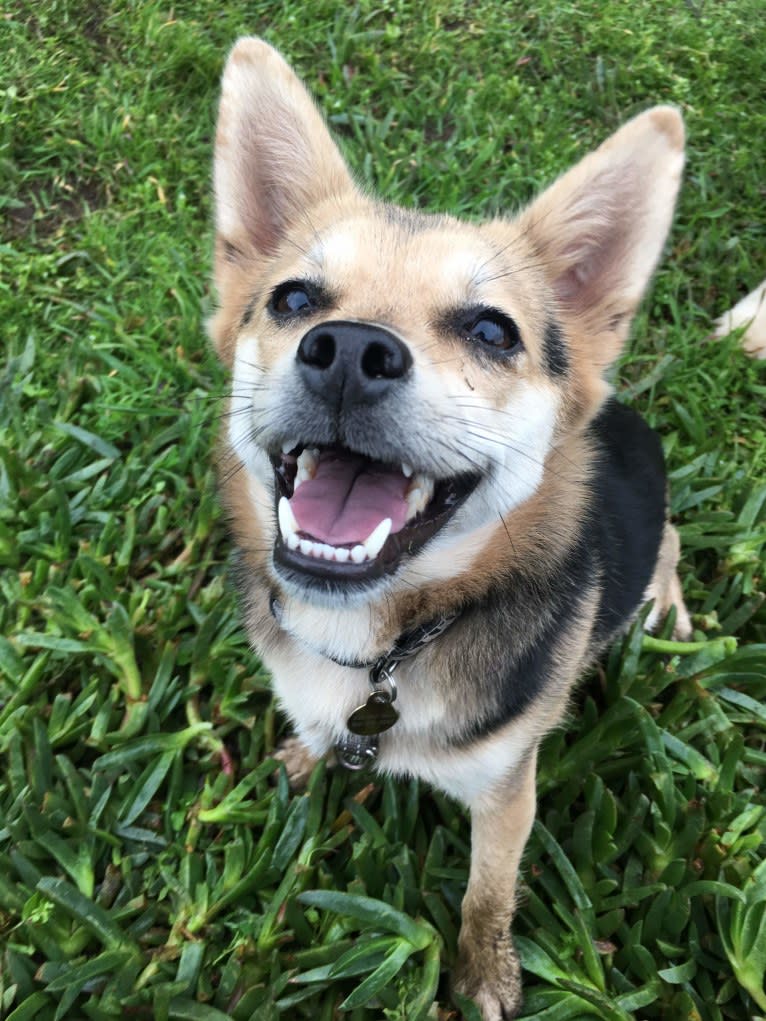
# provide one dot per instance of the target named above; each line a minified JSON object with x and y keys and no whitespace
{"x":352,"y":363}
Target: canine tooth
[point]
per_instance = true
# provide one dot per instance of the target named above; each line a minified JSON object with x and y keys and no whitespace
{"x":415,"y":502}
{"x":293,"y":541}
{"x":407,"y":470}
{"x":422,"y":482}
{"x":358,"y":554}
{"x":307,"y":547}
{"x":342,"y":553}
{"x":419,"y":495}
{"x":307,"y":464}
{"x":306,"y":467}
{"x":289,"y":445}
{"x":374,"y":541}
{"x":287,"y":523}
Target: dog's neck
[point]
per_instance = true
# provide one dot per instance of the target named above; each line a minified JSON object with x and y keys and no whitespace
{"x":346,"y":635}
{"x":406,"y":644}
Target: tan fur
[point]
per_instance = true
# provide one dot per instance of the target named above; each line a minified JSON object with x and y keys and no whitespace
{"x":488,"y":969}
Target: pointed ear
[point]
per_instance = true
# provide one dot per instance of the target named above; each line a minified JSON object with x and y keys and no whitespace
{"x":599,"y":230}
{"x":274,"y":158}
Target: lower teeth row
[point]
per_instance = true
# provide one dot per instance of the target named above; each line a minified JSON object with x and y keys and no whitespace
{"x":324,"y":551}
{"x":367,"y":550}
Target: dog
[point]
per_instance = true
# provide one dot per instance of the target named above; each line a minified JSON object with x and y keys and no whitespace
{"x":442,"y":514}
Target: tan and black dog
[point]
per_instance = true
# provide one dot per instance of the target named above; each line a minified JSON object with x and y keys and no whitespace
{"x":442,"y":514}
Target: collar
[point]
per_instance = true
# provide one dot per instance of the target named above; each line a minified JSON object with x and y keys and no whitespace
{"x":358,"y":748}
{"x":408,"y":644}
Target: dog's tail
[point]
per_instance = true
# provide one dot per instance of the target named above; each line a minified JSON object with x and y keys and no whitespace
{"x":750,"y":313}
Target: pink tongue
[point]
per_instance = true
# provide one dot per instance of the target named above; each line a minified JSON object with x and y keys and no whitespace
{"x":347,"y":498}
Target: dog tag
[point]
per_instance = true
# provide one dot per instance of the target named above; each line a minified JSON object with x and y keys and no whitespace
{"x":356,"y":752}
{"x":376,"y":715}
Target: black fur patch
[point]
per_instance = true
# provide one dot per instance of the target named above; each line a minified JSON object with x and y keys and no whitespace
{"x":505,"y":647}
{"x":629,"y":510}
{"x":516,"y":660}
{"x":554,"y":350}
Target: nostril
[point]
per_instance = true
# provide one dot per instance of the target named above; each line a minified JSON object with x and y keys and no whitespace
{"x":317,"y":349}
{"x":384,"y":361}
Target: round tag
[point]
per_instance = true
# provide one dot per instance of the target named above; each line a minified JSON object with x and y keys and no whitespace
{"x":376,"y":715}
{"x":355,"y":752}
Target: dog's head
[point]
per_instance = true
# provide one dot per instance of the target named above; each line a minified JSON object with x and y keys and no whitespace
{"x":400,"y":380}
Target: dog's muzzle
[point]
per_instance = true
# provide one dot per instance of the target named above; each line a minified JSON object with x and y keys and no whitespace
{"x":354,"y":504}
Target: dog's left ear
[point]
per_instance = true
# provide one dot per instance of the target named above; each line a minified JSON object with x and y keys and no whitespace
{"x":274,"y":158}
{"x":599,"y":230}
{"x":275,"y":162}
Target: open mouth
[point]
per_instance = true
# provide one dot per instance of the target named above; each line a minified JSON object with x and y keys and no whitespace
{"x":345,"y":517}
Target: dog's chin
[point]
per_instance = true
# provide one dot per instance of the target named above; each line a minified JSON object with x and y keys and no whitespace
{"x":325,"y":557}
{"x":311,"y":590}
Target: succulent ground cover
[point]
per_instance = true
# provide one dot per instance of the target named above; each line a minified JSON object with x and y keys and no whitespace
{"x":150,"y":866}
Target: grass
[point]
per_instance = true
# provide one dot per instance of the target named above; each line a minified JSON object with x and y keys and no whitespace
{"x":149,"y":867}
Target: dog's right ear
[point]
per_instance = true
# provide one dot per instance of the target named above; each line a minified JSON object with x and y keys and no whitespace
{"x":274,"y":158}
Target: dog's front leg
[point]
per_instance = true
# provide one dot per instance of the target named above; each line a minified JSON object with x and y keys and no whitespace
{"x":488,"y":969}
{"x":299,"y":762}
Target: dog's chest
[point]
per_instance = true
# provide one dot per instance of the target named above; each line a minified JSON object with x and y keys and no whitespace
{"x":319,"y":696}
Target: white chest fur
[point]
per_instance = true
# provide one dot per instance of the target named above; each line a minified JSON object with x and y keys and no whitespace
{"x":319,"y":695}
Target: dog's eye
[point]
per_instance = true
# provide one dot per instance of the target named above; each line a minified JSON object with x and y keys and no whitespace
{"x":495,"y":330}
{"x":292,"y":298}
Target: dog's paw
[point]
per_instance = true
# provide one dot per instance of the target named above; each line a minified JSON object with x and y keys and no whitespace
{"x":682,"y":629}
{"x":298,"y":761}
{"x":492,"y":1005}
{"x":674,"y":599}
{"x":492,"y":981}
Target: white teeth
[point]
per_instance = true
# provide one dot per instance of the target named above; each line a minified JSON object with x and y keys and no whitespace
{"x":289,"y":529}
{"x":414,"y":502}
{"x":289,"y":445}
{"x":373,"y":544}
{"x":308,"y":461}
{"x":407,"y":470}
{"x":419,"y":495}
{"x":306,"y":467}
{"x":366,"y":550}
{"x":324,"y":551}
{"x":287,"y":524}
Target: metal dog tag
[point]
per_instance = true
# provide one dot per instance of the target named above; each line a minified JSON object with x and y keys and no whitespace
{"x":375,"y":716}
{"x":355,"y":752}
